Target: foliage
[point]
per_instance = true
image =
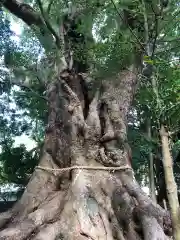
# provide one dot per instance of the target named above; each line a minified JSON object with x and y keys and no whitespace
{"x":5,"y":33}
{"x":17,"y":164}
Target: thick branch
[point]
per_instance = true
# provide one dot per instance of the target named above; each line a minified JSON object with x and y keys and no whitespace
{"x":30,"y":17}
{"x":23,"y":11}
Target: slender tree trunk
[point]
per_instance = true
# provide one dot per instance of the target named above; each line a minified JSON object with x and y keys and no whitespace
{"x":170,"y":184}
{"x":151,"y":166}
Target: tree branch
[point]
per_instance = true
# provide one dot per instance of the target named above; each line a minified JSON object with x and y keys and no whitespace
{"x":30,"y":17}
{"x":21,"y":85}
{"x":146,"y":27}
{"x":23,"y":11}
{"x":49,"y":6}
{"x":170,"y":40}
{"x":32,"y":91}
{"x":156,"y":31}
{"x":168,"y":50}
{"x":49,"y":26}
{"x":167,"y":26}
{"x":129,"y":27}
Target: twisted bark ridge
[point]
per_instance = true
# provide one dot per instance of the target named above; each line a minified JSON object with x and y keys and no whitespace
{"x":85,"y":204}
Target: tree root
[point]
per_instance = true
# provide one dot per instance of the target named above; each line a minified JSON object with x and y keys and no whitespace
{"x":5,"y":217}
{"x":90,"y":210}
{"x":47,"y":212}
{"x":145,"y":204}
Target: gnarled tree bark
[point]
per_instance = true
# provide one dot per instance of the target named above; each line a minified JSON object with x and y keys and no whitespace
{"x":84,"y":203}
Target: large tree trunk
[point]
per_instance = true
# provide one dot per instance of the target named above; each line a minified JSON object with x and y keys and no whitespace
{"x":93,"y":203}
{"x":84,"y":187}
